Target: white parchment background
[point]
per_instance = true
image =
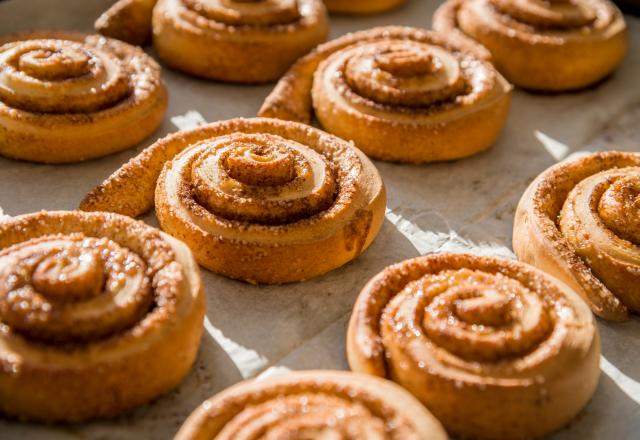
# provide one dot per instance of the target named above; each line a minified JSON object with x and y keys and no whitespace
{"x":460,"y":206}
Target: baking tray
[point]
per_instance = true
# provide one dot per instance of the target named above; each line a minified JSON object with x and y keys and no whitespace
{"x":466,"y":205}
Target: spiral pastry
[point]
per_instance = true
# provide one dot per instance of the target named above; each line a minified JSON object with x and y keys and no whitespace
{"x":361,"y":6}
{"x":495,"y":349}
{"x":245,"y":41}
{"x":67,"y":97}
{"x":98,"y":314}
{"x":261,"y":200}
{"x":127,"y":20}
{"x":578,"y":221}
{"x":553,"y":45}
{"x":401,"y":94}
{"x":313,"y":405}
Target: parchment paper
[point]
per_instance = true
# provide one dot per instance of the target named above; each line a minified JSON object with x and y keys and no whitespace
{"x":466,"y":205}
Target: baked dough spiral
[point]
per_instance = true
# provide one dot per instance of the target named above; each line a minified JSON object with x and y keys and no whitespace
{"x":245,"y":41}
{"x":68,"y":97}
{"x":553,"y":45}
{"x":578,"y":221}
{"x":127,"y":20}
{"x":361,"y":6}
{"x":401,"y":94}
{"x":99,"y":314}
{"x":313,"y":405}
{"x":495,"y":349}
{"x":262,"y":200}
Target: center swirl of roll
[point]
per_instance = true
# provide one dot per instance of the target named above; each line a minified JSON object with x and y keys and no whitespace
{"x":60,"y":76}
{"x":261,"y":164}
{"x":69,"y":273}
{"x":72,"y":288}
{"x":409,"y":74}
{"x":262,"y":178}
{"x":247,"y":12}
{"x":55,"y":64}
{"x":482,"y":306}
{"x":552,"y":14}
{"x":619,"y":208}
{"x":480,"y":316}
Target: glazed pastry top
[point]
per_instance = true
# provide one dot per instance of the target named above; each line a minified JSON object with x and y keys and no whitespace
{"x":551,"y":22}
{"x":249,"y":179}
{"x":51,"y":78}
{"x":480,"y":321}
{"x":313,"y":405}
{"x":392,"y":73}
{"x":245,"y":16}
{"x":403,"y":78}
{"x":94,"y":282}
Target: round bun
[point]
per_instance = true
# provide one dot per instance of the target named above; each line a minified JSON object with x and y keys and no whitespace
{"x":99,"y":314}
{"x":261,"y":200}
{"x":68,"y":97}
{"x":495,"y":349}
{"x":542,"y":45}
{"x":401,"y":94}
{"x":313,"y":404}
{"x":245,"y":41}
{"x":578,"y":221}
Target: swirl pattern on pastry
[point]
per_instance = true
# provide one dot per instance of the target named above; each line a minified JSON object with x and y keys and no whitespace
{"x":288,"y":201}
{"x":91,"y":304}
{"x":361,"y":6}
{"x":542,"y":45}
{"x":494,"y":348}
{"x":313,"y":405}
{"x":400,"y":94}
{"x":246,"y":41}
{"x":68,"y":97}
{"x":578,"y":221}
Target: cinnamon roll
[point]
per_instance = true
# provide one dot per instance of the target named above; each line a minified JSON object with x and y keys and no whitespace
{"x":127,"y":20}
{"x":401,"y":94}
{"x":68,"y":97}
{"x":553,"y":45}
{"x":495,"y":349}
{"x":579,"y":221}
{"x":245,"y":41}
{"x":313,"y":405}
{"x":98,"y":314}
{"x":361,"y":6}
{"x":261,"y":200}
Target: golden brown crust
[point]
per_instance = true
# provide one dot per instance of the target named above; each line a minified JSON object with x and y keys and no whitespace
{"x":401,"y":94}
{"x":361,"y":6}
{"x":238,"y":41}
{"x":313,"y":404}
{"x":68,"y":97}
{"x":586,"y":254}
{"x":326,"y":214}
{"x":494,"y":348}
{"x":99,"y":314}
{"x":547,"y":46}
{"x":127,"y":20}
